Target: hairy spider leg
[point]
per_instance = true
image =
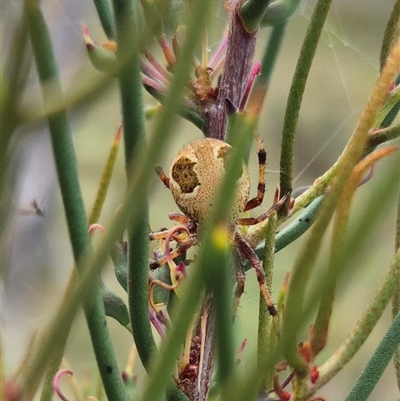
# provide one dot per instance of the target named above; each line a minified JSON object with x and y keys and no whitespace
{"x":250,"y":221}
{"x":262,"y":158}
{"x":247,"y":252}
{"x":179,"y":250}
{"x":162,"y":176}
{"x":240,"y":279}
{"x":162,"y":234}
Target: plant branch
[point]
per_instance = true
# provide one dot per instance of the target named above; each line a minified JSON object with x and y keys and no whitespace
{"x":12,"y":88}
{"x":252,"y":13}
{"x":297,"y":88}
{"x":320,"y":328}
{"x":238,"y":63}
{"x":128,"y":32}
{"x":264,"y":317}
{"x":105,"y":179}
{"x":396,"y":297}
{"x":363,"y":327}
{"x":379,"y":136}
{"x":56,"y":357}
{"x":391,"y":33}
{"x":304,"y":262}
{"x":106,"y":16}
{"x":369,"y":377}
{"x":279,"y":11}
{"x":262,"y":81}
{"x":74,"y":209}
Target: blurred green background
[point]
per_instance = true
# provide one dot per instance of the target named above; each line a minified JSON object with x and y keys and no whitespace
{"x":36,"y":254}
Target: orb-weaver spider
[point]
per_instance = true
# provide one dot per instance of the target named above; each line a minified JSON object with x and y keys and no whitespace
{"x":195,"y":175}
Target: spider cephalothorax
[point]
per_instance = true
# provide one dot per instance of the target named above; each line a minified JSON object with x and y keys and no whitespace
{"x":195,"y":176}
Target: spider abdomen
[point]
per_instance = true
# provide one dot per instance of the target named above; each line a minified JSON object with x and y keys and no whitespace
{"x":196,"y":174}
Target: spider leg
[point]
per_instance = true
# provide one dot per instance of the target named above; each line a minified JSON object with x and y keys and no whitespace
{"x":162,"y":234}
{"x":262,"y":157}
{"x":247,"y":251}
{"x":179,"y":250}
{"x":250,"y":221}
{"x":184,"y":220}
{"x":240,"y":280}
{"x":162,"y":176}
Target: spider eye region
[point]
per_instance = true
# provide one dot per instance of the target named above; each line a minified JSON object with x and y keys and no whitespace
{"x":196,"y":174}
{"x":184,"y":174}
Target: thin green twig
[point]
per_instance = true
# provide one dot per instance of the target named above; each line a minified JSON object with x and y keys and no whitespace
{"x":106,"y":16}
{"x":14,"y":75}
{"x":105,"y":179}
{"x":363,"y":327}
{"x":376,"y":365}
{"x":128,"y":32}
{"x":264,"y":317}
{"x":279,"y":11}
{"x":66,"y":166}
{"x":252,"y":12}
{"x":304,"y":262}
{"x":391,"y":33}
{"x":396,"y":297}
{"x":115,"y":303}
{"x":269,"y":58}
{"x":297,"y":88}
{"x":219,"y":259}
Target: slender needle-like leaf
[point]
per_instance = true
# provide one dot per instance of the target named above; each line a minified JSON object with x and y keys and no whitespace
{"x":66,"y":165}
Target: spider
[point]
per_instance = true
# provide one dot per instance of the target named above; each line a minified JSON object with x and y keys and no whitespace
{"x":195,"y":175}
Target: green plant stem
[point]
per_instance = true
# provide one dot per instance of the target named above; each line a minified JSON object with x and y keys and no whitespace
{"x":390,"y":104}
{"x":116,"y":303}
{"x":358,"y":236}
{"x":84,"y":90}
{"x":390,"y":36}
{"x":11,"y":88}
{"x":396,"y":298}
{"x":391,"y":33}
{"x":219,"y":257}
{"x":128,"y":210}
{"x":115,"y":307}
{"x":255,"y":234}
{"x":291,"y":232}
{"x":153,"y":17}
{"x":191,"y":115}
{"x":56,"y":357}
{"x":270,"y":55}
{"x":279,"y":11}
{"x":377,"y":137}
{"x":105,"y":179}
{"x":363,"y":327}
{"x":319,"y":333}
{"x":376,"y":365}
{"x":128,"y":32}
{"x":73,"y":204}
{"x":264,"y":317}
{"x":252,"y":13}
{"x":305,"y":260}
{"x":297,"y":88}
{"x":106,"y":16}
